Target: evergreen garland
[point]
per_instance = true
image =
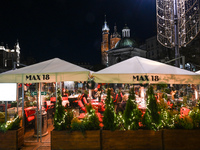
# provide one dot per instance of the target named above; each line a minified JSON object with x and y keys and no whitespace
{"x":151,"y":119}
{"x":132,"y":115}
{"x":109,"y":114}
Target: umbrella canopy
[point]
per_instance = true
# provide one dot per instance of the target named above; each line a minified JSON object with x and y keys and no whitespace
{"x":142,"y":70}
{"x":198,"y":72}
{"x":53,"y":70}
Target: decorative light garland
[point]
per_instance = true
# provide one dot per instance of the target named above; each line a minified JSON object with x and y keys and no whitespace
{"x":9,"y":122}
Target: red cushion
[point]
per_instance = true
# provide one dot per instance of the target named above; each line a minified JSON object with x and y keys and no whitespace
{"x":84,"y":100}
{"x":80,"y":103}
{"x":64,"y":98}
{"x":102,"y":108}
{"x":184,"y":111}
{"x":101,"y":125}
{"x":30,"y":118}
{"x":81,"y":116}
{"x":99,"y":116}
{"x":53,"y":99}
{"x":30,"y":114}
{"x":83,"y":109}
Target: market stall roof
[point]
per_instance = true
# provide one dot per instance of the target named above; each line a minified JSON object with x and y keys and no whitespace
{"x":141,"y":70}
{"x":53,"y":70}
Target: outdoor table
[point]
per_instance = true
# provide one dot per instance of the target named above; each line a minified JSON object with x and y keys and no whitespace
{"x":96,"y":105}
{"x":103,"y":96}
{"x":96,"y":100}
{"x":53,"y":99}
{"x":65,"y":102}
{"x":72,"y":99}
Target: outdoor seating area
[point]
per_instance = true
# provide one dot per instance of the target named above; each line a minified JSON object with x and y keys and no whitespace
{"x":111,"y":99}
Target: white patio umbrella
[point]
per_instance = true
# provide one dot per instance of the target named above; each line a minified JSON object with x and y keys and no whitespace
{"x":198,"y":72}
{"x":141,"y":70}
{"x":53,"y":70}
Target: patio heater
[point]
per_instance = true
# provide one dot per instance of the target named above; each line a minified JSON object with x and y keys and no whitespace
{"x":177,"y":23}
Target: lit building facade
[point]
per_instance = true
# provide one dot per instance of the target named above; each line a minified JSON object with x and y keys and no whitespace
{"x":9,"y":56}
{"x":116,"y":48}
{"x":104,"y":43}
{"x":156,"y":51}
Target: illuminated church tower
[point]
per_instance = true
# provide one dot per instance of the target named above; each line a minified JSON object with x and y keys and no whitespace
{"x":105,"y":43}
{"x":114,"y":38}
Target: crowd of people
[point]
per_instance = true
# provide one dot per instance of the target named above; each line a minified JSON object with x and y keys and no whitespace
{"x":119,"y":98}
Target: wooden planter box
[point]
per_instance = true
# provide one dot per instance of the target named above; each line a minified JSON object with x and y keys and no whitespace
{"x":177,"y":139}
{"x":134,"y":140}
{"x":75,"y":140}
{"x":12,"y":139}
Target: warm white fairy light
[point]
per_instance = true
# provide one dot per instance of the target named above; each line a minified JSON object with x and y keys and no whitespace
{"x":9,"y":122}
{"x":188,"y":21}
{"x":63,"y":118}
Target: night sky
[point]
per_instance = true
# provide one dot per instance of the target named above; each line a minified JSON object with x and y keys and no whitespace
{"x":71,"y":29}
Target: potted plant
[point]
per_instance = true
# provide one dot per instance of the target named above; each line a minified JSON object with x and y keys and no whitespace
{"x":73,"y":133}
{"x":161,"y":128}
{"x":185,"y":134}
{"x":151,"y":119}
{"x":11,"y":134}
{"x":127,"y":132}
{"x":109,"y":119}
{"x":132,"y":115}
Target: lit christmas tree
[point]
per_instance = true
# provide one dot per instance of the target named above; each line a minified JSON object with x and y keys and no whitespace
{"x":132,"y":115}
{"x":109,"y":113}
{"x":151,"y":119}
{"x":62,"y":118}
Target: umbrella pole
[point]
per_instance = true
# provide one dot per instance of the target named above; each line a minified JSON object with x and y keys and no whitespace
{"x":23,"y":123}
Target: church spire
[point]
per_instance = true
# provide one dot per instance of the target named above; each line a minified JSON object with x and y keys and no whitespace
{"x":116,"y":34}
{"x":115,"y":28}
{"x":17,"y":44}
{"x":105,"y":27}
{"x":126,"y":31}
{"x":104,"y":43}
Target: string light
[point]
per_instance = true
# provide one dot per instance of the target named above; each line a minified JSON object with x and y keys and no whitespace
{"x":8,"y":123}
{"x":188,"y":21}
